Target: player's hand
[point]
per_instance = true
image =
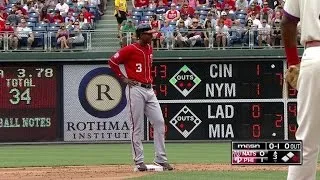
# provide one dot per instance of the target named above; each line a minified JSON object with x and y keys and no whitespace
{"x":128,"y":81}
{"x":292,"y":74}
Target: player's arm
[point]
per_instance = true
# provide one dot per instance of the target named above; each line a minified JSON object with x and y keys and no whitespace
{"x":289,"y":31}
{"x":119,"y":58}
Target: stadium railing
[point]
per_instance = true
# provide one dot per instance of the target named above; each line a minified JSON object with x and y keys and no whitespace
{"x":107,"y":40}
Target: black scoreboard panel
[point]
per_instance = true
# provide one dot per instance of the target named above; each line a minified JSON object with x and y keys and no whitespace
{"x":216,"y":100}
{"x":222,"y":121}
{"x":218,"y":80}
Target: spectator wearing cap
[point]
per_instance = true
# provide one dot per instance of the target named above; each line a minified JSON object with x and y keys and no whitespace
{"x":187,"y":9}
{"x":264,"y":32}
{"x":45,"y":16}
{"x":9,"y":35}
{"x":161,"y":8}
{"x":222,"y":33}
{"x":241,"y":5}
{"x":172,"y":15}
{"x":62,"y":7}
{"x":127,"y":28}
{"x":13,"y":19}
{"x":24,"y":34}
{"x":140,"y":3}
{"x":70,"y":17}
{"x":57,"y":18}
{"x":276,"y":33}
{"x":227,"y":21}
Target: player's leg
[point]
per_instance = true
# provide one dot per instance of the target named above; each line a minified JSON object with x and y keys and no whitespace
{"x":136,"y":105}
{"x":308,"y":116}
{"x":154,"y":114}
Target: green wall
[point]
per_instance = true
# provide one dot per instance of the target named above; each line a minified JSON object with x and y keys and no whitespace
{"x":164,"y":54}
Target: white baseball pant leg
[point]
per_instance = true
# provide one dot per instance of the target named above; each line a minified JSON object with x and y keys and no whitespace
{"x":308,"y":117}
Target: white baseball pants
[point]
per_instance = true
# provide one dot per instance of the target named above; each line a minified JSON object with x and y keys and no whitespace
{"x":308,"y":117}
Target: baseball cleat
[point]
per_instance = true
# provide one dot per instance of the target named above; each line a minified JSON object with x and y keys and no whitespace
{"x":166,"y":166}
{"x":141,"y":167}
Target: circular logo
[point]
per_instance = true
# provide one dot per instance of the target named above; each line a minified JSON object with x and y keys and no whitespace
{"x":101,"y":94}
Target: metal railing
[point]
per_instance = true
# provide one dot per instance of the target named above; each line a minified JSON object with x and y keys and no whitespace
{"x":189,"y":39}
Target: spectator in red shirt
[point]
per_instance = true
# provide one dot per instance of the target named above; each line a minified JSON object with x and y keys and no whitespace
{"x":172,"y":15}
{"x":140,"y":3}
{"x":87,"y":15}
{"x":187,"y":10}
{"x":230,"y":4}
{"x":20,"y":11}
{"x":44,"y":16}
{"x":227,"y":21}
{"x":254,"y":10}
{"x":57,"y":18}
{"x":12,"y":38}
{"x":3,"y":14}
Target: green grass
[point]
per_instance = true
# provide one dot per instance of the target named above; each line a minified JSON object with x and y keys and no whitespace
{"x":103,"y":154}
{"x":96,"y":154}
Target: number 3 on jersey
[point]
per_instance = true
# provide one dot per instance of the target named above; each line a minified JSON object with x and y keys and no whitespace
{"x":138,"y":67}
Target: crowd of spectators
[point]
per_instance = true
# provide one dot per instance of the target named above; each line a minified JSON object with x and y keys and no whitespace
{"x":205,"y":23}
{"x":23,"y":23}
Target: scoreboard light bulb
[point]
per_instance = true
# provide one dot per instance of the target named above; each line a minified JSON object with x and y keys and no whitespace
{"x":273,"y":66}
{"x":274,"y":134}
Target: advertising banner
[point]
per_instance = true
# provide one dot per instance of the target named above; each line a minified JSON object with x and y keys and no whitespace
{"x":95,"y":104}
{"x":28,"y":103}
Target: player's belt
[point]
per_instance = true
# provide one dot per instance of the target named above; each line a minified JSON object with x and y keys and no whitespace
{"x":148,"y":86}
{"x":312,"y":44}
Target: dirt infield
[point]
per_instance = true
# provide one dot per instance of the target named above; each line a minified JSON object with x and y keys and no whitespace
{"x":112,"y":171}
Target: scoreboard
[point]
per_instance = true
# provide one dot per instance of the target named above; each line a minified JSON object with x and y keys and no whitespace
{"x":225,"y":99}
{"x":266,"y":153}
{"x":28,"y":102}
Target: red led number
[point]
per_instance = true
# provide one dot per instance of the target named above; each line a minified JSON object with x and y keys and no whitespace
{"x":278,"y":121}
{"x":258,"y":69}
{"x":293,"y":128}
{"x":165,"y":111}
{"x":258,"y":89}
{"x":256,"y":130}
{"x":280,"y":77}
{"x":160,"y":70}
{"x":293,"y":109}
{"x":255,"y":111}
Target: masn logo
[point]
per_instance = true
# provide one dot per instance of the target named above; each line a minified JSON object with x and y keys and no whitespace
{"x":185,"y":121}
{"x":185,"y":80}
{"x":101,"y":94}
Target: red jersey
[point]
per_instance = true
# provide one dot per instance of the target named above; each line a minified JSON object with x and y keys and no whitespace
{"x":137,"y":61}
{"x":56,"y":18}
{"x":155,"y":24}
{"x":141,"y":3}
{"x":171,"y":14}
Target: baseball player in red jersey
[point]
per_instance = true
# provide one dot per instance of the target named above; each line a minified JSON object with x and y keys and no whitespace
{"x":308,"y":82}
{"x":137,"y":60}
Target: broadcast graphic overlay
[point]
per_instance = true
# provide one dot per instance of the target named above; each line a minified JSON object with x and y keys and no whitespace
{"x":266,"y":153}
{"x":28,"y":103}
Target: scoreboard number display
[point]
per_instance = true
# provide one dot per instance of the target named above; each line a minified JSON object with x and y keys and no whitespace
{"x":28,"y":102}
{"x":266,"y":153}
